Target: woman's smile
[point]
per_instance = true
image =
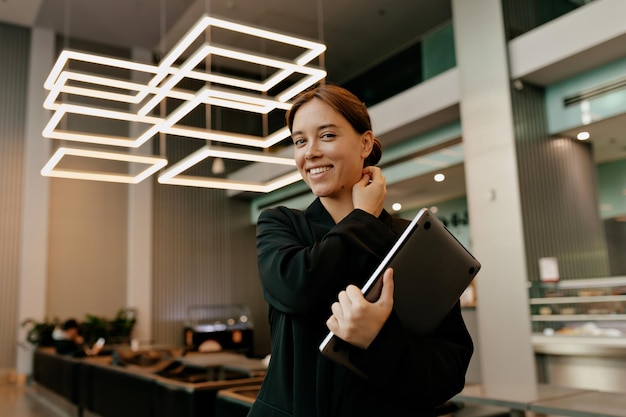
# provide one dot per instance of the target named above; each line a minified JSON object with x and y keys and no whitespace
{"x":319,"y":170}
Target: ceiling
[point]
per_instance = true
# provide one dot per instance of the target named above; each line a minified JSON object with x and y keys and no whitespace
{"x":351,"y":30}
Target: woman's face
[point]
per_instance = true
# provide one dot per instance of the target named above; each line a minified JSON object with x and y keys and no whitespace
{"x":329,"y":153}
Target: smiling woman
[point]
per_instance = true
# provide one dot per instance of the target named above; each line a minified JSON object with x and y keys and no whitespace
{"x":335,"y":148}
{"x":312,"y":264}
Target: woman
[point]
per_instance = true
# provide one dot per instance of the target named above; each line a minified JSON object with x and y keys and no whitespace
{"x":312,"y":264}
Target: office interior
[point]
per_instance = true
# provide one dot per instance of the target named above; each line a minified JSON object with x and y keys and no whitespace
{"x":521,"y":104}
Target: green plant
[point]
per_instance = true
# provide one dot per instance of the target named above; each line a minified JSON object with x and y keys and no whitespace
{"x":117,"y":330}
{"x":93,"y":328}
{"x":122,"y":325}
{"x":40,"y":333}
{"x":113,"y":331}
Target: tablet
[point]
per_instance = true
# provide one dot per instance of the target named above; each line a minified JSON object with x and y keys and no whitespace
{"x":431,"y":271}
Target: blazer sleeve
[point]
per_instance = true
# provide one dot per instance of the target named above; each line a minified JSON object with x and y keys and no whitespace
{"x":426,"y":370}
{"x":300,"y":271}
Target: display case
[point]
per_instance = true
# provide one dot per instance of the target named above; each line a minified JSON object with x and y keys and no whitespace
{"x":212,"y":328}
{"x":592,"y":308}
{"x":579,"y":332}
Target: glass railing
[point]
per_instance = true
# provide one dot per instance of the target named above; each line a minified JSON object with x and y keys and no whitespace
{"x":431,"y":55}
{"x":521,"y":16}
{"x":434,"y":53}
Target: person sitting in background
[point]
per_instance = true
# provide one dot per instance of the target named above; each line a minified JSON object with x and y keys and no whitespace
{"x":69,"y":341}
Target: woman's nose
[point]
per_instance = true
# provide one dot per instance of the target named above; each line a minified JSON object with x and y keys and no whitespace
{"x":312,"y":151}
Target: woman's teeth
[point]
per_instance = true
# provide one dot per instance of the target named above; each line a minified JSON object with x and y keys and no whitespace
{"x":318,"y":170}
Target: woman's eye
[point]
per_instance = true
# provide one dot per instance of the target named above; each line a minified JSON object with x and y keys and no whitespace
{"x":328,"y":135}
{"x":299,"y":141}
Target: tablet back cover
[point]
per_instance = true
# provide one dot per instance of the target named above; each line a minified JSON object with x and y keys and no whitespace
{"x":431,"y":271}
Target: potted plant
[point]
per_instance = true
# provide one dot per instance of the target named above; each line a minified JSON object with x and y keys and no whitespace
{"x":40,"y":333}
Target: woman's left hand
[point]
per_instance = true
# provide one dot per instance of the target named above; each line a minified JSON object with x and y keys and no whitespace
{"x":369,"y":193}
{"x":358,"y":321}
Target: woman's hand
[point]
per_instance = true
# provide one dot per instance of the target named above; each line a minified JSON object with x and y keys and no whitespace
{"x":358,"y":321}
{"x":369,"y":193}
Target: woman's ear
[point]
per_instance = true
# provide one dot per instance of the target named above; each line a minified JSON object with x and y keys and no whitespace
{"x":367,"y":143}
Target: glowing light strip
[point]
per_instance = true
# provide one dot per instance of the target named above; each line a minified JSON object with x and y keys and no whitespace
{"x":187,"y":66}
{"x":245,"y":98}
{"x":232,"y":153}
{"x":316,"y":48}
{"x":50,"y":131}
{"x":171,"y":175}
{"x":300,"y":86}
{"x":234,"y":138}
{"x":66,"y":55}
{"x":49,"y":169}
{"x":61,"y":87}
{"x":226,"y":184}
{"x":239,"y":106}
{"x":257,"y":104}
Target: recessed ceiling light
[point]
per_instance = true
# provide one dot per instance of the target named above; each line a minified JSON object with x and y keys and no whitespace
{"x":396,"y":206}
{"x":434,"y":209}
{"x":583,"y":136}
{"x":439,"y":177}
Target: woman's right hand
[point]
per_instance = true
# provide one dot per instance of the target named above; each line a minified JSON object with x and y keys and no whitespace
{"x":358,"y":321}
{"x":369,"y":193}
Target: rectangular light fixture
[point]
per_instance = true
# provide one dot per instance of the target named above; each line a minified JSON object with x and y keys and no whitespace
{"x":135,"y":102}
{"x":173,"y":175}
{"x":225,"y":184}
{"x":51,"y":170}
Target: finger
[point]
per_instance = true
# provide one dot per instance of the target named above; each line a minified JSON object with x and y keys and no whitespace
{"x":354,"y":294}
{"x":386,"y":295}
{"x":373,"y":172}
{"x":333,"y":324}
{"x":337,"y":310}
{"x":344,"y":298}
{"x":365,"y":179}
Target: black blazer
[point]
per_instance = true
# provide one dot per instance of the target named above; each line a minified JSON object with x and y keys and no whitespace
{"x":305,"y":260}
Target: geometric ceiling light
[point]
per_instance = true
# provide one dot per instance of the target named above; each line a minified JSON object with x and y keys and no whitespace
{"x":173,"y":175}
{"x":97,"y":99}
{"x":51,"y":168}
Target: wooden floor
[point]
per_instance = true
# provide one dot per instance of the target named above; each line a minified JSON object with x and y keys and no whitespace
{"x":22,"y":401}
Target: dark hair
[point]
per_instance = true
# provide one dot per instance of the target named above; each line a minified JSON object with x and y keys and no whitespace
{"x":344,"y":103}
{"x":70,"y":324}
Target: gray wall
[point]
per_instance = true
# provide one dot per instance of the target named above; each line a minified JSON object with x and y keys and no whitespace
{"x":14,"y":47}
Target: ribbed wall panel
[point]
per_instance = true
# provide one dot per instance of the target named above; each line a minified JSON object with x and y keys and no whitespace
{"x":14,"y":52}
{"x":558,"y":187}
{"x":204,"y":254}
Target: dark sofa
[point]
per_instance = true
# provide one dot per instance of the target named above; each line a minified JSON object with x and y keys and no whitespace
{"x":113,"y":391}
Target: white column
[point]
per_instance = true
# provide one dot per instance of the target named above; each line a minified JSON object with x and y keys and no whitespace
{"x":34,"y":235}
{"x":493,"y":196}
{"x":139,"y":276}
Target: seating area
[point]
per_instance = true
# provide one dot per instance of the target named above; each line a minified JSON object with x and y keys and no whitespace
{"x":207,"y":385}
{"x":96,"y":385}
